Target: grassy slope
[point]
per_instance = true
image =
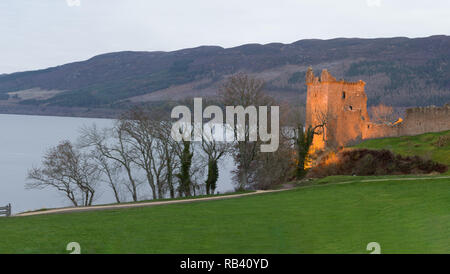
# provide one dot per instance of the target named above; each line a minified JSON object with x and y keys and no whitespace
{"x":422,"y":145}
{"x":411,"y":217}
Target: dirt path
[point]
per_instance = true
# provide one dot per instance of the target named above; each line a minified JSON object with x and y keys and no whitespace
{"x":143,"y":204}
{"x":285,"y":187}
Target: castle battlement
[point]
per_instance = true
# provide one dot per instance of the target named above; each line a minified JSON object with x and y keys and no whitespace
{"x":428,"y":109}
{"x":326,"y":77}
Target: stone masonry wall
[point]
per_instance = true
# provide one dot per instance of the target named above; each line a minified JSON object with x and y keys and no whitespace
{"x":425,"y":119}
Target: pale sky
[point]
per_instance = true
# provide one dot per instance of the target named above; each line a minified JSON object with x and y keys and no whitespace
{"x":36,"y":34}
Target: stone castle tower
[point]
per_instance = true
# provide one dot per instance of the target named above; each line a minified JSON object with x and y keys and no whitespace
{"x":341,"y":105}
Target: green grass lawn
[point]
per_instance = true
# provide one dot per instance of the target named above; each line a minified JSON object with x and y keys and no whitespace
{"x":404,"y":217}
{"x":422,"y":145}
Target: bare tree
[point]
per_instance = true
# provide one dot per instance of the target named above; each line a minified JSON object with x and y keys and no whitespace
{"x":302,"y":138}
{"x":168,"y":150}
{"x":214,"y":150}
{"x":321,"y":125}
{"x":138,"y":130}
{"x":246,"y":91}
{"x":242,"y":89}
{"x":113,"y":145}
{"x":277,"y":167}
{"x":66,"y":169}
{"x":274,"y":168}
{"x":110,"y":170}
{"x":155,"y":149}
{"x":197,"y":170}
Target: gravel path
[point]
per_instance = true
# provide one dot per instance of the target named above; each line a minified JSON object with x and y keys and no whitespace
{"x":146,"y":204}
{"x":142,"y":204}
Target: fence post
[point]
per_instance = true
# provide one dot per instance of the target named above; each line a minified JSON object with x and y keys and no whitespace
{"x":8,"y":210}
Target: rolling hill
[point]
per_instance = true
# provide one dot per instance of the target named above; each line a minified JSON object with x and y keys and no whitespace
{"x":399,"y":71}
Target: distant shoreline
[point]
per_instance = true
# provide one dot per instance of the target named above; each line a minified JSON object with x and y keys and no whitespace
{"x":77,"y":112}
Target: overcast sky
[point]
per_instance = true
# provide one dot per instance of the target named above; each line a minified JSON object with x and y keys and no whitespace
{"x":37,"y":34}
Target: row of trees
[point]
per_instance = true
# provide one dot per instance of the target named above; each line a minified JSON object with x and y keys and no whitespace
{"x":139,"y":145}
{"x":137,"y":150}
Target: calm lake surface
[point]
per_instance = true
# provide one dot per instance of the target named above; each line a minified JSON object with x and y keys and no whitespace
{"x":23,"y":141}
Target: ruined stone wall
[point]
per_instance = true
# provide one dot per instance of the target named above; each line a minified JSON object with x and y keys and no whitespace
{"x":374,"y":130}
{"x":417,"y":121}
{"x":343,"y":107}
{"x":425,"y":119}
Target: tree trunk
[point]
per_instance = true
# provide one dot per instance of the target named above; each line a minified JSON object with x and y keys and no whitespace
{"x":152,"y":185}
{"x":72,"y":198}
{"x":133,"y":184}
{"x":116,"y":194}
{"x":243,"y":180}
{"x":170,"y":177}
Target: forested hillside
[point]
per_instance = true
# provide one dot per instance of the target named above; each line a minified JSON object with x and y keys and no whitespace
{"x":400,"y":72}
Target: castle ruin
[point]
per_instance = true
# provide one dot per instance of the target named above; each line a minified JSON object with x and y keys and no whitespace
{"x":342,"y":108}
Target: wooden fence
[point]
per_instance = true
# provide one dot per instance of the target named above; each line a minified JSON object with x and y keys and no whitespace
{"x":6,"y":210}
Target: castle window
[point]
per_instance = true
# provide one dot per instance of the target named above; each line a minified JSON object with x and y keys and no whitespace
{"x":343,"y":95}
{"x":350,"y":107}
